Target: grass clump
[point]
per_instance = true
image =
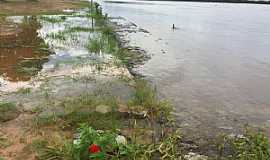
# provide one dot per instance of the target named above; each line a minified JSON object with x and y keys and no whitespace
{"x":56,"y":147}
{"x":145,"y":96}
{"x":106,"y":42}
{"x":8,"y":111}
{"x":96,"y":45}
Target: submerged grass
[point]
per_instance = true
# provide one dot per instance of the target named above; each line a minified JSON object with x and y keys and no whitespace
{"x":83,"y":109}
{"x":53,"y":19}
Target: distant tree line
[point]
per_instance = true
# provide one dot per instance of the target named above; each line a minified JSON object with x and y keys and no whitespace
{"x":226,"y":1}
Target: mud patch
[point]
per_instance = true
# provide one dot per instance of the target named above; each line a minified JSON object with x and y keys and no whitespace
{"x":14,"y":137}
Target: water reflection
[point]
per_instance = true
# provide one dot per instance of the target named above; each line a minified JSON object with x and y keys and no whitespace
{"x":41,"y":46}
{"x":22,"y":52}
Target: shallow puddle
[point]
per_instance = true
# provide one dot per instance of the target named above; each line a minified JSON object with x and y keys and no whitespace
{"x":31,"y":45}
{"x":22,"y":51}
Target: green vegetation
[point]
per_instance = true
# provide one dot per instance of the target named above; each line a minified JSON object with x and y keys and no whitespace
{"x":103,"y":112}
{"x":53,"y":19}
{"x":253,"y":146}
{"x":146,"y":96}
{"x":250,"y":146}
{"x":106,"y":41}
{"x":4,"y":142}
{"x":56,"y":147}
{"x":82,"y":110}
{"x":109,"y":145}
{"x":31,"y":67}
{"x":8,"y":111}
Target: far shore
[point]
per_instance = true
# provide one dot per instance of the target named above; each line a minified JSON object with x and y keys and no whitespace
{"x":207,"y":1}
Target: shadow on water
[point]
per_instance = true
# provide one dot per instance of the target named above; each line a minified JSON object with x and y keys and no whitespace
{"x":22,"y":51}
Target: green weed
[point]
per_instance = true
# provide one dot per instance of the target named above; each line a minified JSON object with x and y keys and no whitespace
{"x":8,"y":111}
{"x":55,"y":147}
{"x":250,"y":146}
{"x":53,"y":19}
{"x":146,"y":97}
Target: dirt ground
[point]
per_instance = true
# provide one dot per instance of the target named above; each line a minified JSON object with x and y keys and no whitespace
{"x":16,"y":135}
{"x":23,"y":7}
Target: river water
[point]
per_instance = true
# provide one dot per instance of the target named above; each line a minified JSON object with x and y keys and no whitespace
{"x":215,"y":67}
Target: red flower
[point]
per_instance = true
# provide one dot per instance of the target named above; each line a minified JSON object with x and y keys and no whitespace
{"x":94,"y":148}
